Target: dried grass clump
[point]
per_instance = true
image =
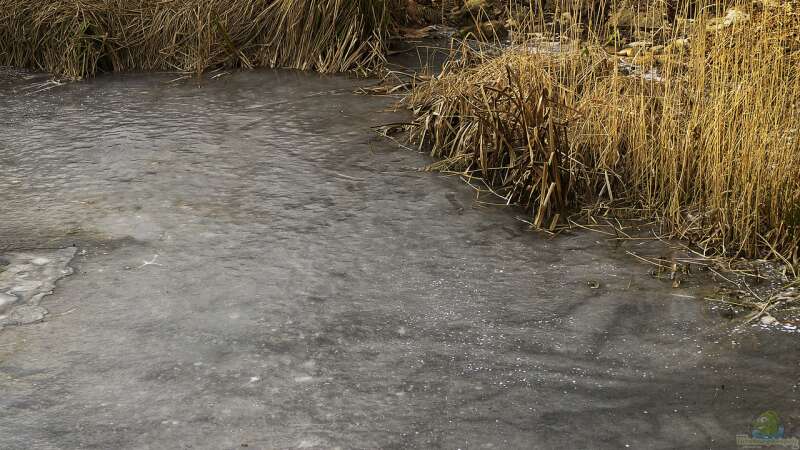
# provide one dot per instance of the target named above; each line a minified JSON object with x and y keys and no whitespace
{"x":78,"y":38}
{"x":505,"y":120}
{"x":705,"y":138}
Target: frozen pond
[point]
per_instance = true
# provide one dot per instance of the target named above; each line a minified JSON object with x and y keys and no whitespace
{"x":254,"y":266}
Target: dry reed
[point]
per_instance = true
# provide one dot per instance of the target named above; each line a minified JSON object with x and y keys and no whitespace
{"x":78,"y":38}
{"x":701,"y":133}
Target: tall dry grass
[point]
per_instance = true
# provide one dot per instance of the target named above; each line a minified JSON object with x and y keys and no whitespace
{"x":78,"y":38}
{"x":701,"y":134}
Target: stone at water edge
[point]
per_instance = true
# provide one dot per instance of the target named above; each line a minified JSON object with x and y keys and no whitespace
{"x":768,"y":320}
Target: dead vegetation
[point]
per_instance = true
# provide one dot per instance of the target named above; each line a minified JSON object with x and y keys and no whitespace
{"x":78,"y":38}
{"x":698,"y":131}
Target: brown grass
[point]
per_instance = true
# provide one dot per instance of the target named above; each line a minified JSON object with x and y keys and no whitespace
{"x":78,"y":38}
{"x":706,"y":141}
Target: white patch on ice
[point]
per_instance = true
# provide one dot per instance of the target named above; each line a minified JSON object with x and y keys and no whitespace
{"x":152,"y":262}
{"x":28,"y":277}
{"x":6,"y":300}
